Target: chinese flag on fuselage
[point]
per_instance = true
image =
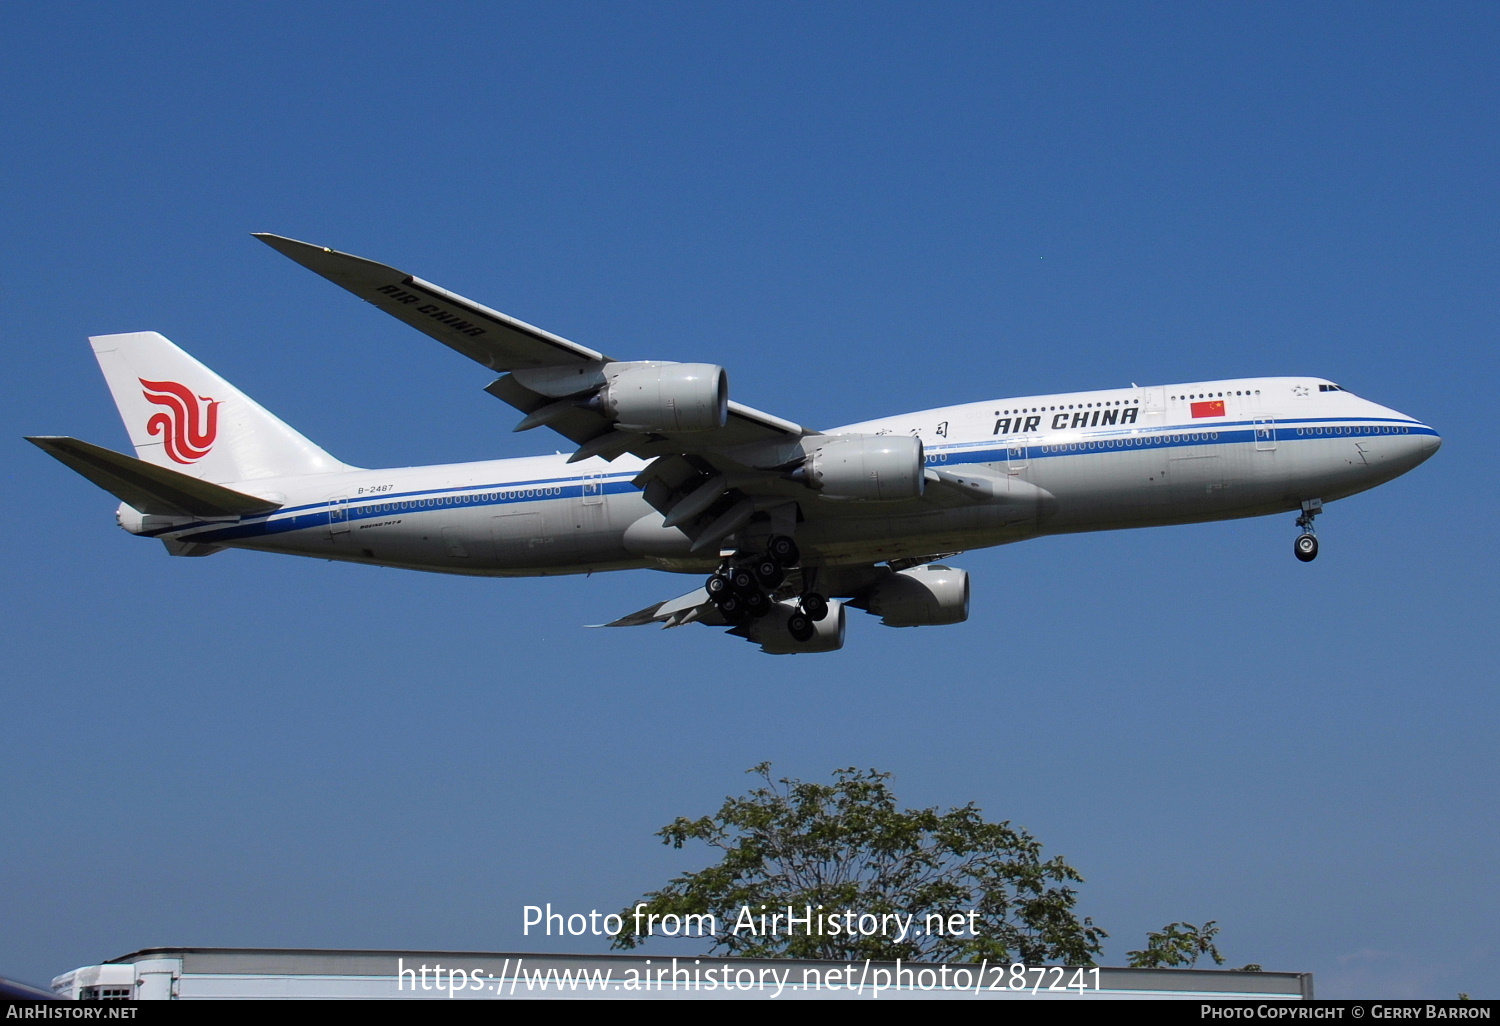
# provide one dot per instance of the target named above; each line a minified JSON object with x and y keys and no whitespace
{"x":1213,"y":409}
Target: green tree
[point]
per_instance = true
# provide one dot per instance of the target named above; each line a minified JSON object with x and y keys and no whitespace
{"x":1179,"y":945}
{"x":846,"y":846}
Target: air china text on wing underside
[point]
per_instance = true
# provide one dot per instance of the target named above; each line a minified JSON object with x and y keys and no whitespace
{"x":790,"y":526}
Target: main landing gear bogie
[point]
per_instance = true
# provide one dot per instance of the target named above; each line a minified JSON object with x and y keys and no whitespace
{"x":744,"y":590}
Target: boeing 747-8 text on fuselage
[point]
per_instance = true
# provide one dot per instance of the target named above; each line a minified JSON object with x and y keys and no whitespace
{"x":668,"y":473}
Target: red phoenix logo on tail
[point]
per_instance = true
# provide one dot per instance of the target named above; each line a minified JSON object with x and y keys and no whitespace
{"x":188,"y":432}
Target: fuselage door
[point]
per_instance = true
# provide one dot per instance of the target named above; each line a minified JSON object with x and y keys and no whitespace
{"x":338,"y":516}
{"x":1154,"y":404}
{"x":1265,"y":435}
{"x":591,"y":511}
{"x":1015,"y":456}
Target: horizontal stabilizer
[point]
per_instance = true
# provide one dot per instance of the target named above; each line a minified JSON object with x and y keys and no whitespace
{"x":148,"y":487}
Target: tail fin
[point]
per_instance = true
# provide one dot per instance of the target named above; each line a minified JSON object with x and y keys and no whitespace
{"x":183,"y":416}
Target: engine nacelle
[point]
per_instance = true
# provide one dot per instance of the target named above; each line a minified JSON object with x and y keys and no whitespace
{"x":924,"y":596}
{"x":879,"y":468}
{"x":770,"y":633}
{"x":671,"y":397}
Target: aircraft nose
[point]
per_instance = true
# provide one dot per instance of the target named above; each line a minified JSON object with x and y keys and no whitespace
{"x":1418,"y":447}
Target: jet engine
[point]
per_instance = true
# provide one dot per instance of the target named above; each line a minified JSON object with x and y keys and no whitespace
{"x":670,"y":397}
{"x":924,"y":596}
{"x":771,"y":634}
{"x":872,"y":467}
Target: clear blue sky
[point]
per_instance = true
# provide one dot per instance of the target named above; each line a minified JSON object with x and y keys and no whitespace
{"x":859,"y":209}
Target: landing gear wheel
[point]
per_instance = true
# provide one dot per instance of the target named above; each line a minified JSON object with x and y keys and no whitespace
{"x":742,"y":578}
{"x":1306,"y":546}
{"x":768,"y":572}
{"x":800,"y":627}
{"x":733,"y":607}
{"x":757,"y":604}
{"x":815,"y":606}
{"x":716,"y":585}
{"x":783,"y":550}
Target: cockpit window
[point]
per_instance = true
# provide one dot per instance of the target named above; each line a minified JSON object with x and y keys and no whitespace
{"x":1329,"y":388}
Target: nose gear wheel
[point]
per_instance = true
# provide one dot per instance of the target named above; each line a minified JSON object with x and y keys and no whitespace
{"x":1306,"y":546}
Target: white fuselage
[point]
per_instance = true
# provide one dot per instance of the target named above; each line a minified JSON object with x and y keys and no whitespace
{"x":1084,"y":461}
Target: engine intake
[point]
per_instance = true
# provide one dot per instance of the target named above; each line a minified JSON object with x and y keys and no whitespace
{"x":924,"y":596}
{"x":667,"y":398}
{"x":875,"y":468}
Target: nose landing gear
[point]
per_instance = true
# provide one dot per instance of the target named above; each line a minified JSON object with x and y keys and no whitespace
{"x":1306,"y":547}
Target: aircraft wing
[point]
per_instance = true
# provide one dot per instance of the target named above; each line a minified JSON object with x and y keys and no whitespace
{"x":715,"y":463}
{"x":499,"y":341}
{"x":549,"y":366}
{"x":694,"y":607}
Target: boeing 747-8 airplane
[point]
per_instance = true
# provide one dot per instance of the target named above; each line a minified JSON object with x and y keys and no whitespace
{"x":670,"y":474}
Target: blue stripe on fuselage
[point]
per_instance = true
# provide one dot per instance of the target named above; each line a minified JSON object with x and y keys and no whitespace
{"x":320,"y":514}
{"x":1131,"y":438}
{"x":1172,"y":436}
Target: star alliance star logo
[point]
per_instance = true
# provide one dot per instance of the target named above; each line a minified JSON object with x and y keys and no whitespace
{"x":1300,"y":390}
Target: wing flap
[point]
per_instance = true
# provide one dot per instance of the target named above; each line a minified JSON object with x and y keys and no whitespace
{"x":147,"y":487}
